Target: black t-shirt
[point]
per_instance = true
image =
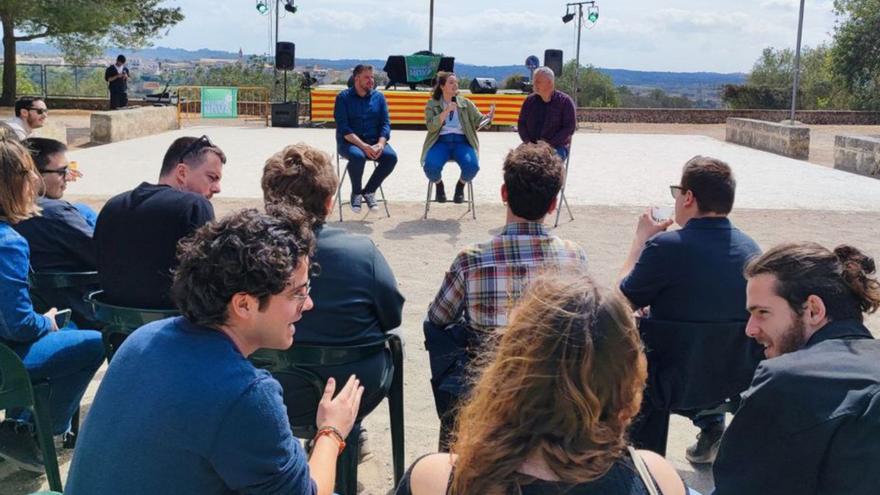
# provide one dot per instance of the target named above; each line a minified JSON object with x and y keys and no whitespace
{"x":136,"y":238}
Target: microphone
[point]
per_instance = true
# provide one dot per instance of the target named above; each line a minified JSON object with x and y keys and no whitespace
{"x":451,"y":113}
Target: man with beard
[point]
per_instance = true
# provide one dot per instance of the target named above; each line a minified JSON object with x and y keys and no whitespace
{"x":810,"y":421}
{"x":30,"y":114}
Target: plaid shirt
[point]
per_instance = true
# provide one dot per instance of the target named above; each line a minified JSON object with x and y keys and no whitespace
{"x":486,"y":279}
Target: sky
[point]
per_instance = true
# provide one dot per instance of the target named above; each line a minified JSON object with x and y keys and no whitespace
{"x":675,"y":35}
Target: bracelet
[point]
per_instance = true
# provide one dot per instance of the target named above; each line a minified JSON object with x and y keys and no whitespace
{"x":331,"y":432}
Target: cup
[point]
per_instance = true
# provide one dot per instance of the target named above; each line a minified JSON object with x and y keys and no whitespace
{"x":662,"y":213}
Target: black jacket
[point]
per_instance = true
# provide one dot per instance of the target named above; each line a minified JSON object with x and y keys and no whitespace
{"x":809,"y":423}
{"x":117,"y":85}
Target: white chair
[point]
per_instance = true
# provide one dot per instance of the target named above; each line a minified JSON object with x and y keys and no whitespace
{"x":339,"y":200}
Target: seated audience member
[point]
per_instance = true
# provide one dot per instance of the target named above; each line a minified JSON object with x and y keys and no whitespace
{"x":693,"y":275}
{"x":547,"y":114}
{"x":66,"y":358}
{"x":363,"y":128}
{"x":60,"y":237}
{"x":356,"y":296}
{"x":810,"y":422}
{"x":30,"y":114}
{"x":550,"y":409}
{"x":203,"y":419}
{"x":452,"y":121}
{"x":137,"y":231}
{"x":486,"y":279}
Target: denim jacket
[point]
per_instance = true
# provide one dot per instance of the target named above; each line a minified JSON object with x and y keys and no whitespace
{"x":18,"y":321}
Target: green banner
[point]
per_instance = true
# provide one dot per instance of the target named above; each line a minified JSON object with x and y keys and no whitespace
{"x":219,"y":103}
{"x":421,"y":67}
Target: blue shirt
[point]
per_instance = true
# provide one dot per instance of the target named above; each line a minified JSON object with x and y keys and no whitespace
{"x":18,"y":320}
{"x":182,"y":411}
{"x":366,"y":116}
{"x":693,"y":274}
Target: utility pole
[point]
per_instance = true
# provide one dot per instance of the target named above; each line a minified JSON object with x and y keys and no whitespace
{"x":797,"y":64}
{"x":431,"y":28}
{"x":593,"y":17}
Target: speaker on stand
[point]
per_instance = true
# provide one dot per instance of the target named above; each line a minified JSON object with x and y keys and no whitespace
{"x":553,"y":60}
{"x":285,"y":114}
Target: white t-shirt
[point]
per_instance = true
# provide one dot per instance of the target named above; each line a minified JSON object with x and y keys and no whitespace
{"x":452,"y":124}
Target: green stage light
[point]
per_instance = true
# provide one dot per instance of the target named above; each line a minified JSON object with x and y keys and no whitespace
{"x":262,"y":7}
{"x":593,"y":14}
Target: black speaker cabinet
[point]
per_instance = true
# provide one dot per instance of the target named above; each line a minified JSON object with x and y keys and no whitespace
{"x":284,"y":55}
{"x":553,"y":60}
{"x":484,"y":85}
{"x":285,"y":114}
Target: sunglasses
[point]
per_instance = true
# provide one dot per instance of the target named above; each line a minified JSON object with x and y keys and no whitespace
{"x":676,"y":190}
{"x":196,"y":146}
{"x":61,"y":171}
{"x":40,"y":111}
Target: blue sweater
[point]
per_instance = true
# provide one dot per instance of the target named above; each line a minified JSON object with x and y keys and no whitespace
{"x":18,"y":321}
{"x":180,"y":410}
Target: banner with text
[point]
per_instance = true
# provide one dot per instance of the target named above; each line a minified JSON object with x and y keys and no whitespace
{"x":421,"y":67}
{"x":219,"y":103}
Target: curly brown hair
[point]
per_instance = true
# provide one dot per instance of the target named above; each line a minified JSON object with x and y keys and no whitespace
{"x":246,"y":251}
{"x":563,"y":383}
{"x":300,"y":175}
{"x":533,"y":174}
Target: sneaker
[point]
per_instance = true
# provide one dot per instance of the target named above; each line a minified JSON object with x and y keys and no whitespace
{"x":440,"y":194}
{"x":356,"y":201}
{"x":458,"y":197}
{"x":706,"y":448}
{"x":370,"y":198}
{"x":17,"y":445}
{"x":364,"y":452}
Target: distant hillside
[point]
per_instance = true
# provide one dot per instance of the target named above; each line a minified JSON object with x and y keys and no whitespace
{"x":669,"y":81}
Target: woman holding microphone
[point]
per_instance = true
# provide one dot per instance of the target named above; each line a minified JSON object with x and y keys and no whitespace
{"x":452,"y":123}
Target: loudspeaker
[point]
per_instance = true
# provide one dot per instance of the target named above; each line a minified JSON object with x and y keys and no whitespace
{"x":553,"y":60}
{"x":284,"y":55}
{"x":285,"y":114}
{"x":484,"y":85}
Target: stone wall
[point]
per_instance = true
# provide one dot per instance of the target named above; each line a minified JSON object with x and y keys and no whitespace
{"x":81,"y":103}
{"x":782,"y":139}
{"x":118,"y":125}
{"x":707,"y":116}
{"x":858,"y":154}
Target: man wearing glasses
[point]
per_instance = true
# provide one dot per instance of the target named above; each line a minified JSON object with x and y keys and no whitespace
{"x":137,"y":231}
{"x":690,"y":275}
{"x":60,"y":238}
{"x":30,"y":114}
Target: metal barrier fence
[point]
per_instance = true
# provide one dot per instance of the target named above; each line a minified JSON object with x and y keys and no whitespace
{"x":253,"y":103}
{"x":60,"y":80}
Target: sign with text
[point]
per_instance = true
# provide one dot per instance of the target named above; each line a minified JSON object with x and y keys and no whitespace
{"x":421,"y":67}
{"x":219,"y":103}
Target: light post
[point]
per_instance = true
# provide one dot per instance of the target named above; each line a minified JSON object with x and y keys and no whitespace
{"x":431,"y":28}
{"x":592,"y":16}
{"x":797,"y":64}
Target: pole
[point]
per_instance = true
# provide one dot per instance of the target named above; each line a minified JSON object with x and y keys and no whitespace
{"x":577,"y":58}
{"x":797,"y":63}
{"x":275,"y":52}
{"x":431,"y":28}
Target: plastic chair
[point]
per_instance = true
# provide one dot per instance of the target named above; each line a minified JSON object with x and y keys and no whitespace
{"x":121,"y":321}
{"x":562,"y":199}
{"x":17,"y":391}
{"x":470,"y":200}
{"x":290,"y":367}
{"x":339,"y":200}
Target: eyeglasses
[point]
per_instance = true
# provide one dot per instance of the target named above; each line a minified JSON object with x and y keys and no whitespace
{"x":61,"y":171}
{"x":301,"y":298}
{"x":676,"y":190}
{"x":40,"y":111}
{"x":195,"y":146}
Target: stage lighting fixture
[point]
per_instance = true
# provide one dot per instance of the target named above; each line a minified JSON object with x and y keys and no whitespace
{"x":593,"y":14}
{"x":567,"y":17}
{"x":262,"y":7}
{"x":290,"y":7}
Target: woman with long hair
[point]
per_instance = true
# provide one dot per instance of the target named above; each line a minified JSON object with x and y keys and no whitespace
{"x":67,"y":359}
{"x":452,"y":121}
{"x":550,"y":410}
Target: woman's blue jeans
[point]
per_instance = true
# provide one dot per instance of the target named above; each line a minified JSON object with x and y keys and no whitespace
{"x":451,"y":147}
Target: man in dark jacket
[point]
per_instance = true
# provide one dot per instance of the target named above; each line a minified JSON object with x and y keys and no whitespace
{"x":117,"y":76}
{"x":809,"y":423}
{"x":548,"y":115}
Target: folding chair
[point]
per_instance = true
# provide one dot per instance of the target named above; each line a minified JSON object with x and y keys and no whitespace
{"x":17,"y":391}
{"x":293,"y":368}
{"x":470,"y":199}
{"x":562,"y":199}
{"x":339,"y":200}
{"x":121,"y":321}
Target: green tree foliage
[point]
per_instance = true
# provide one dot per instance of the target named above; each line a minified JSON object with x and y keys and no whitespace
{"x":596,"y":89}
{"x":79,"y":28}
{"x":257,"y":71}
{"x":856,"y":51}
{"x":513,"y":81}
{"x":656,"y":98}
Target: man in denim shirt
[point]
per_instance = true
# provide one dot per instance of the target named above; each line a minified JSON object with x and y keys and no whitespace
{"x":363,"y":129}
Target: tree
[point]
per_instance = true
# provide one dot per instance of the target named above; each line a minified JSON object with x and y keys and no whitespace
{"x":596,"y":88}
{"x":856,"y":52}
{"x":513,"y":81}
{"x":79,"y":28}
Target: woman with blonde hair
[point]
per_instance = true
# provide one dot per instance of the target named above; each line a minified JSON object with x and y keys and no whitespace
{"x":68,"y":359}
{"x":550,"y":411}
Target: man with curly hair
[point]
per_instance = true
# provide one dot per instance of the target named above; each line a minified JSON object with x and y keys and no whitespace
{"x":182,"y":410}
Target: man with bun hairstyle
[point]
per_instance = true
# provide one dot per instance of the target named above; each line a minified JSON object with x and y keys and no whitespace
{"x":810,"y":421}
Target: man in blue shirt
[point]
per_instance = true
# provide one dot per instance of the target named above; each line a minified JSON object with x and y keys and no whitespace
{"x":363,"y":129}
{"x":692,"y":276}
{"x":181,"y":410}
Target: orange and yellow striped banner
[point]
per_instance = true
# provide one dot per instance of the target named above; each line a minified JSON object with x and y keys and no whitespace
{"x":408,"y":107}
